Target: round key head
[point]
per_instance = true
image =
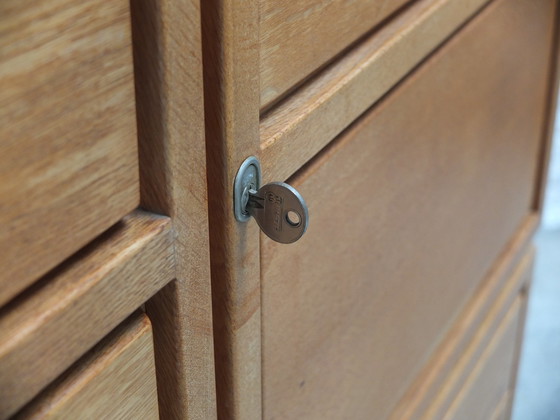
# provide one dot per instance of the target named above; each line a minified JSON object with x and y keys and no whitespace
{"x":280,"y":211}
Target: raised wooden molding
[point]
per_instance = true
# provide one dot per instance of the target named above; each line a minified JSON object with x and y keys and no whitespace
{"x":116,"y":379}
{"x":300,"y":126}
{"x":51,"y":325}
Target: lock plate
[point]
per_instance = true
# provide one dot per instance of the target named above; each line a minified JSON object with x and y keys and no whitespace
{"x":248,"y":178}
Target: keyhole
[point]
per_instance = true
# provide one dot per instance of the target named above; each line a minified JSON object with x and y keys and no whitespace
{"x":293,"y":218}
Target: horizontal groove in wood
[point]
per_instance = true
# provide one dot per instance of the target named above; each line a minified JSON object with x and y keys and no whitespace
{"x":492,"y":299}
{"x":49,"y":327}
{"x":116,"y":379}
{"x":304,"y":123}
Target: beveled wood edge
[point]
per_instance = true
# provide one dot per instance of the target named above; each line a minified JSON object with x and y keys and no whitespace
{"x":72,"y":382}
{"x":550,"y":118}
{"x":459,"y":375}
{"x":511,"y":263}
{"x":230,"y":39}
{"x":525,"y":291}
{"x":511,"y":317}
{"x":46,"y":329}
{"x":300,"y":126}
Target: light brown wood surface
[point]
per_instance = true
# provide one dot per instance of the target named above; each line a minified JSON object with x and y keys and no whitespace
{"x":115,"y":380}
{"x":307,"y":121}
{"x":489,"y":379}
{"x":48,"y":328}
{"x":169,"y":88}
{"x":68,"y":154}
{"x":457,"y":378}
{"x":408,"y":209}
{"x":501,"y":412}
{"x":554,"y":86}
{"x":230,"y":58}
{"x":474,"y":327}
{"x":298,"y":37}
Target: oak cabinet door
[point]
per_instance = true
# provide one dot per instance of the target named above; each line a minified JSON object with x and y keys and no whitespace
{"x":409,"y":209}
{"x":415,"y":190}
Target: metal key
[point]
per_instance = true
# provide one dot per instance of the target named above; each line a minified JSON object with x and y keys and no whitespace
{"x":278,"y":208}
{"x":280,"y":211}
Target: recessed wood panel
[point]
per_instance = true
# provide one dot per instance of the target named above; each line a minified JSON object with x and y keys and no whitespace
{"x":115,"y":380}
{"x":68,"y":153}
{"x":408,"y":211}
{"x":297,"y":37}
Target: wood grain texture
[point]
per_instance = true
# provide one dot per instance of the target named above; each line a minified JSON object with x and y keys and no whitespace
{"x":48,"y":328}
{"x":68,"y":154}
{"x":457,"y":377}
{"x":231,"y":82}
{"x":298,"y":37}
{"x":489,"y":379}
{"x":169,"y":89}
{"x":509,"y":275}
{"x":304,"y":123}
{"x":115,"y":380}
{"x":408,"y":209}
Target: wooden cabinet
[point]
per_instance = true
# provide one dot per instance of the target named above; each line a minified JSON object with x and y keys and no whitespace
{"x":409,"y":208}
{"x":416,"y":130}
{"x":420,"y":151}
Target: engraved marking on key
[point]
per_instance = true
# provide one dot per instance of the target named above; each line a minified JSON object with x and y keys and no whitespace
{"x":280,"y":211}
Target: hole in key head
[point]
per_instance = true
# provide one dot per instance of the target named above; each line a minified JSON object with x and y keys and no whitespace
{"x":293,"y":218}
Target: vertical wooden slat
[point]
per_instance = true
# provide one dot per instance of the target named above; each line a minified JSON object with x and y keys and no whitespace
{"x":169,"y":94}
{"x":231,"y":63}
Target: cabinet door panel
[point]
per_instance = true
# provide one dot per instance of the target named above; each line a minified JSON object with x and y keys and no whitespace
{"x":409,"y":209}
{"x":68,"y":152}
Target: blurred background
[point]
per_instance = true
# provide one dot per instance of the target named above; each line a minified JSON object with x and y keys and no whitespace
{"x":538,"y":387}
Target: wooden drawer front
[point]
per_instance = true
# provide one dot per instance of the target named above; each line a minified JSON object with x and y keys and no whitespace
{"x":408,"y":209}
{"x":297,"y":37}
{"x":68,"y":153}
{"x":490,"y":379}
{"x":115,"y":380}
